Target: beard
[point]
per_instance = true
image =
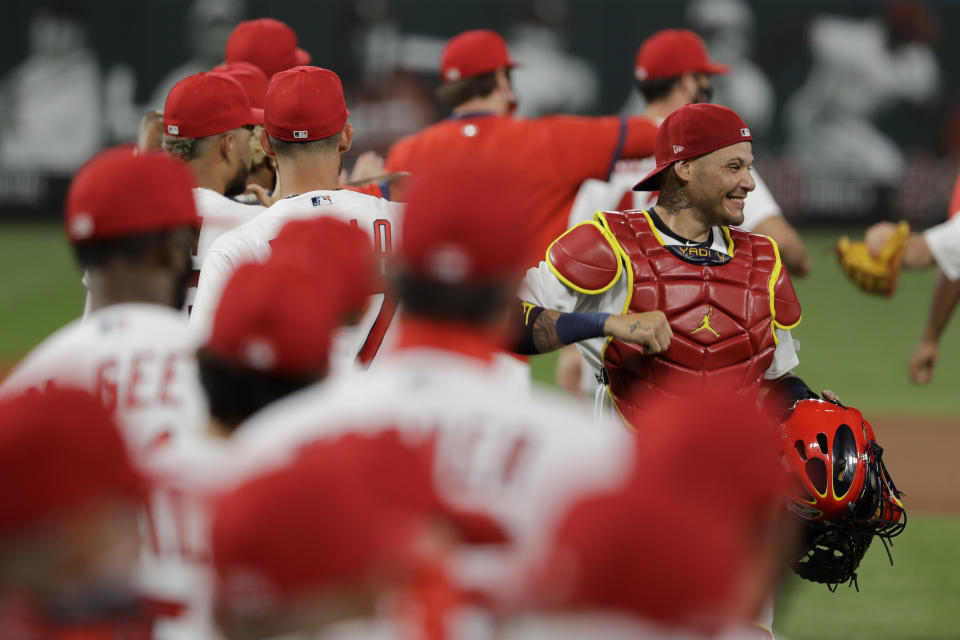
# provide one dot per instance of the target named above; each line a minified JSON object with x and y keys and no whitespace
{"x":239,"y":183}
{"x":703,"y":95}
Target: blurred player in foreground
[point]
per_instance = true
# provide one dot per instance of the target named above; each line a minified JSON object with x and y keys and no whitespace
{"x":711,"y":543}
{"x":69,"y":504}
{"x":308,"y":133}
{"x":518,"y":457}
{"x":550,"y":156}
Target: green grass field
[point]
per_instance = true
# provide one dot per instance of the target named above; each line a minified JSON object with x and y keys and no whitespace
{"x":854,"y":344}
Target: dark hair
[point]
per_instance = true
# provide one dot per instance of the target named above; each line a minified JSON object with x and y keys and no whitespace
{"x":287,"y":148}
{"x":130,"y":248}
{"x":453,"y":94}
{"x":657,"y":89}
{"x":475,"y":304}
{"x":235,"y":393}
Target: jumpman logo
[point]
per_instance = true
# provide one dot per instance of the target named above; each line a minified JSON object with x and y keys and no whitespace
{"x":705,"y":323}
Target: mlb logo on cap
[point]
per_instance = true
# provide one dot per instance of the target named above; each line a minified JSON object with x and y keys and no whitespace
{"x":173,"y":129}
{"x":745,"y":132}
{"x":300,"y":135}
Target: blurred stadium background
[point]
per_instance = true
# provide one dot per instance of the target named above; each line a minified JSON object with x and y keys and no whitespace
{"x":79,"y":76}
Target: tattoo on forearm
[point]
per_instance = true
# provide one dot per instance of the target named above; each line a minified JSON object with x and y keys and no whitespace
{"x":545,"y":332}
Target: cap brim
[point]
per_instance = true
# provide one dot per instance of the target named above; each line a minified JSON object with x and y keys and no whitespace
{"x":302,"y":57}
{"x":651,"y":182}
{"x":715,"y":68}
{"x":256,"y":116}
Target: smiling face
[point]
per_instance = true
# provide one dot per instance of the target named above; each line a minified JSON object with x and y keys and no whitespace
{"x":719,"y":183}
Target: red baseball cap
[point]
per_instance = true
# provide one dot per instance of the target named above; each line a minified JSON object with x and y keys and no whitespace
{"x":333,"y":251}
{"x":691,"y":131}
{"x":673,"y":52}
{"x":276,"y":320}
{"x":206,"y":104}
{"x":60,"y":451}
{"x":253,"y":80}
{"x":343,"y":509}
{"x":474,"y":53}
{"x":686,"y":520}
{"x":118,"y":193}
{"x":267,"y":43}
{"x":462,"y":225}
{"x":304,"y":104}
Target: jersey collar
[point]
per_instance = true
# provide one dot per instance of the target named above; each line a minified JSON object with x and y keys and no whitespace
{"x":663,"y":228}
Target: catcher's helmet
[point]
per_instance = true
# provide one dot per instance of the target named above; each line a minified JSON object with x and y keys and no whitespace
{"x":839,"y":486}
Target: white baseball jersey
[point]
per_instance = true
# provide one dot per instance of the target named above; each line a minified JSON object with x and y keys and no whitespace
{"x":617,"y":194}
{"x":542,"y":287}
{"x":137,"y":358}
{"x":944,"y":243}
{"x":517,"y":455}
{"x":250,"y":242}
{"x":218,"y":214}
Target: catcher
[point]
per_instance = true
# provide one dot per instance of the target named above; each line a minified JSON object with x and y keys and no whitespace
{"x":874,"y":265}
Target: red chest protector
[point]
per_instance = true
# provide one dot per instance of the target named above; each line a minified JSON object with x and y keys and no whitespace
{"x":722,"y":309}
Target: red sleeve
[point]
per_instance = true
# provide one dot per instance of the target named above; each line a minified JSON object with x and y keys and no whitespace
{"x":371,"y":189}
{"x":583,"y":147}
{"x":590,"y":147}
{"x":954,"y":199}
{"x":399,"y":156}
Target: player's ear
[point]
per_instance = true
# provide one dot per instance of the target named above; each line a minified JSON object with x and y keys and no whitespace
{"x":225,"y":145}
{"x":268,"y":149}
{"x":683,"y":169}
{"x":346,"y":138}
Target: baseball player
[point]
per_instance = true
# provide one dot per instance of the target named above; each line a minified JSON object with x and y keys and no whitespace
{"x":68,"y":520}
{"x":550,"y":156}
{"x":308,"y":133}
{"x":939,"y":245}
{"x":269,"y":44}
{"x":710,"y":545}
{"x":271,"y":337}
{"x":207,"y":124}
{"x":672,"y":69}
{"x":369,"y":498}
{"x":133,"y":223}
{"x":679,"y":257}
{"x":514,"y":455}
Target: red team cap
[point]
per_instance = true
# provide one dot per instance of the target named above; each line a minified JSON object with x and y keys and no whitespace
{"x":267,"y":43}
{"x":462,"y":226}
{"x":60,"y":452}
{"x":253,"y":80}
{"x":304,"y":104}
{"x":332,"y":251}
{"x":673,"y":52}
{"x":687,"y":519}
{"x":206,"y":104}
{"x":119,"y":194}
{"x":275,"y":320}
{"x":344,"y":510}
{"x":692,"y":131}
{"x":474,"y":53}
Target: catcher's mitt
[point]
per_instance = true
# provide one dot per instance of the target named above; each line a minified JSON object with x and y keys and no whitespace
{"x":874,"y":275}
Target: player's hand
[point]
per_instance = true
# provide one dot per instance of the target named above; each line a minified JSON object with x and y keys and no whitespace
{"x":922,"y":361}
{"x":569,"y":365}
{"x":877,"y":236}
{"x":265,"y":198}
{"x":368,"y":166}
{"x":649,"y":329}
{"x":830,"y":396}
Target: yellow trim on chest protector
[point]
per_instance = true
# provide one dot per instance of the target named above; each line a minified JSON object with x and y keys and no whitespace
{"x":608,"y":236}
